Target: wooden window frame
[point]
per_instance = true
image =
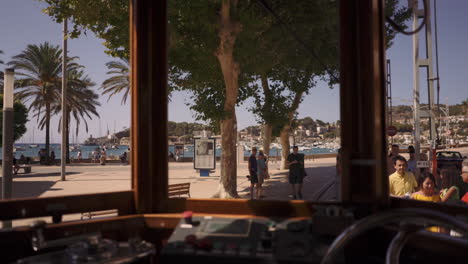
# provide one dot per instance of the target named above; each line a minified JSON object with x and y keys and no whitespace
{"x":362,"y":90}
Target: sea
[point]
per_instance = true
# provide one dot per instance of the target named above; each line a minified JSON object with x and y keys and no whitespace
{"x":32,"y":152}
{"x":274,"y":152}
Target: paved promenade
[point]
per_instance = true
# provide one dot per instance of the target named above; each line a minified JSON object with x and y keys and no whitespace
{"x":45,"y":181}
{"x":321,"y":184}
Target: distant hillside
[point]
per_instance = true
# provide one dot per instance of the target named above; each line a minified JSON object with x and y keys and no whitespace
{"x":454,"y":110}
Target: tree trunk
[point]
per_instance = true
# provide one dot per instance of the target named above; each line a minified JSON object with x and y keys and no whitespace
{"x":67,"y":140}
{"x":47,"y":133}
{"x":267,"y":127}
{"x":267,"y":130}
{"x":284,"y":138}
{"x":230,"y":68}
{"x":286,"y":129}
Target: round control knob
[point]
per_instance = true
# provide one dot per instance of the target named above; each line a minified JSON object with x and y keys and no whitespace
{"x":187,"y":215}
{"x":205,"y":244}
{"x":191,"y":239}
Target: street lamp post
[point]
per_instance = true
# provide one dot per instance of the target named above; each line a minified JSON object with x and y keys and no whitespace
{"x":7,"y":159}
{"x":63,"y":148}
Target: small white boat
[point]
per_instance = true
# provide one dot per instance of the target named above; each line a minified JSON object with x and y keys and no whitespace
{"x":75,"y":148}
{"x":18,"y":148}
{"x":33,"y":146}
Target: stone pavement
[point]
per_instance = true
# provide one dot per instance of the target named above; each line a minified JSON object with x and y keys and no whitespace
{"x":45,"y":181}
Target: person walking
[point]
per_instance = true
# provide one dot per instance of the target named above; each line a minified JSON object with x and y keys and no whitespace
{"x":78,"y":156}
{"x":253,"y":172}
{"x":296,"y":172}
{"x":261,"y":172}
{"x":103,"y":156}
{"x":52,"y":158}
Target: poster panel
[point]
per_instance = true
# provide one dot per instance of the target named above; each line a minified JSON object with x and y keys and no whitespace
{"x":204,"y":154}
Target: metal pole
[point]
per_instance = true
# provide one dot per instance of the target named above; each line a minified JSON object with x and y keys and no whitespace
{"x":389,"y":96}
{"x":417,"y":130}
{"x":7,"y":159}
{"x":63,"y":159}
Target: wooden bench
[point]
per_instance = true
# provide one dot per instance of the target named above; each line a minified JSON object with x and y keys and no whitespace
{"x":25,"y":168}
{"x":90,"y":215}
{"x":179,"y":189}
{"x":174,"y":190}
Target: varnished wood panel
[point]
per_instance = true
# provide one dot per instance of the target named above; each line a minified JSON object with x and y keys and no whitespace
{"x":245,"y":207}
{"x":148,"y":23}
{"x":362,"y":101}
{"x":36,"y":207}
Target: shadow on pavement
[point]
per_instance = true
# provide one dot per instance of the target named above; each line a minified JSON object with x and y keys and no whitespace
{"x":29,"y":189}
{"x":315,"y":185}
{"x":49,"y":174}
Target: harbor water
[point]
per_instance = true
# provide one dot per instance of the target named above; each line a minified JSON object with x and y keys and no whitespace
{"x":32,"y":150}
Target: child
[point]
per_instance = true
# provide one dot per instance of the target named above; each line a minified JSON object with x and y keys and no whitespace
{"x":449,"y":190}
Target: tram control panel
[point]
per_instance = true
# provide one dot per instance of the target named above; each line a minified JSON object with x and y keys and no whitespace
{"x":252,"y":240}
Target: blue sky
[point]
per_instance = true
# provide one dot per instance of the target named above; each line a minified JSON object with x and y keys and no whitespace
{"x":23,"y":23}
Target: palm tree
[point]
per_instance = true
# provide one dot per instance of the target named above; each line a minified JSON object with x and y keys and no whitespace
{"x":120,"y":81}
{"x":81,"y":102}
{"x":40,"y":68}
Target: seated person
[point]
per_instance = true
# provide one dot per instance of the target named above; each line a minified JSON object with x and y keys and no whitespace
{"x":123,"y":157}
{"x":16,"y":167}
{"x":22,"y":159}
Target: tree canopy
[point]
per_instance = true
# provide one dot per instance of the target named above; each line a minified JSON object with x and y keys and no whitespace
{"x":20,"y":117}
{"x":108,"y":19}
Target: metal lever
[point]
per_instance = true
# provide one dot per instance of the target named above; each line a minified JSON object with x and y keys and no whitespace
{"x":39,"y":242}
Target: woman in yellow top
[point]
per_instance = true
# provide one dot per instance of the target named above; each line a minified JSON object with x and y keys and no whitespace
{"x":427,"y":193}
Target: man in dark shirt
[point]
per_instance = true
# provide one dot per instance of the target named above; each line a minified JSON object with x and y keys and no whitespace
{"x":253,"y":171}
{"x":296,"y":172}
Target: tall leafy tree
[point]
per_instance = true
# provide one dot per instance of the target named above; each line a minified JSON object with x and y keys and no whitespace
{"x":308,"y":52}
{"x":119,"y":82}
{"x":20,"y":117}
{"x":108,"y":19}
{"x":204,"y":58}
{"x":39,"y":68}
